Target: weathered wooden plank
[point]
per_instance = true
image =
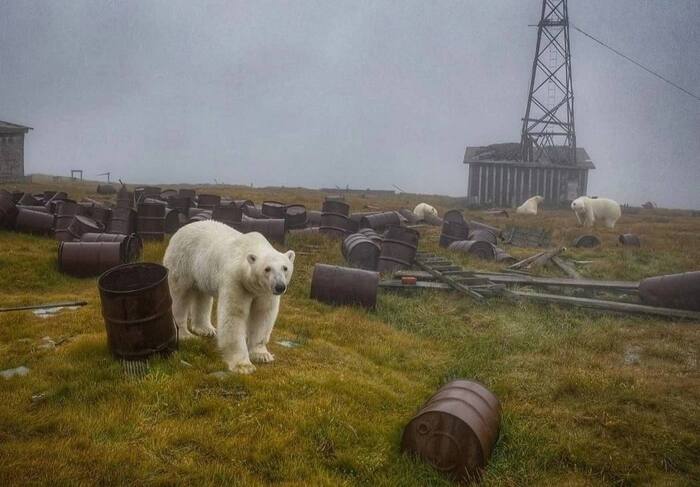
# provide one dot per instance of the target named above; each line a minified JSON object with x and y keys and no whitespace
{"x":568,"y":269}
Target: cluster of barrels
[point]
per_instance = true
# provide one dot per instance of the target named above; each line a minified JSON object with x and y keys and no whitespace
{"x":474,"y":238}
{"x":392,"y":250}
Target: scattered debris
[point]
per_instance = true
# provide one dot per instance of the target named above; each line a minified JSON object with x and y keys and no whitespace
{"x":568,"y":269}
{"x":544,"y":258}
{"x":288,"y":343}
{"x":185,"y":363}
{"x":20,"y":371}
{"x":649,"y":205}
{"x":586,"y":241}
{"x":48,"y":312}
{"x":526,"y":237}
{"x":45,"y":307}
{"x":629,"y":240}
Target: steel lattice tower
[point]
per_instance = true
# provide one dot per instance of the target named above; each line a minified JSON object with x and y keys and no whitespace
{"x":548,"y":127}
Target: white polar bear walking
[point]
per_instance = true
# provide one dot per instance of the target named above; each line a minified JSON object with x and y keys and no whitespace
{"x":209,"y":259}
{"x":591,"y":209}
{"x":423,"y":209}
{"x":531,"y":206}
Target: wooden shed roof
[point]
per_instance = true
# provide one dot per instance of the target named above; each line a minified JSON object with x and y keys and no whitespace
{"x":13,"y":128}
{"x":509,"y":153}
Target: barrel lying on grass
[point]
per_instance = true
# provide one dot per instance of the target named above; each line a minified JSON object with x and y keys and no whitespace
{"x":380,"y":221}
{"x":341,"y":285}
{"x":477,"y":248}
{"x":456,"y":430}
{"x":680,"y":291}
{"x":399,"y":247}
{"x":629,"y":240}
{"x":361,"y":252}
{"x":453,"y":231}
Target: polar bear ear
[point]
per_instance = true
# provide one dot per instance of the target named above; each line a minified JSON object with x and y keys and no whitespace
{"x":251,"y":259}
{"x":290,"y":255}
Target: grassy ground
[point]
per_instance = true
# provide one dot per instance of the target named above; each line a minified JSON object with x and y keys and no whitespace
{"x":331,"y":411}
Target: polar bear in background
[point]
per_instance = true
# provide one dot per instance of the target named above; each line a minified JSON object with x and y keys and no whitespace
{"x":209,"y":259}
{"x":592,"y":209}
{"x":531,"y":206}
{"x":423,"y":209}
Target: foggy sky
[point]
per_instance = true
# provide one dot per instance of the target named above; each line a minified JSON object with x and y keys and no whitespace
{"x":365,"y":94}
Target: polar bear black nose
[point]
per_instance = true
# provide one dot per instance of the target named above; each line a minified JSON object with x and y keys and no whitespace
{"x":280,"y":288}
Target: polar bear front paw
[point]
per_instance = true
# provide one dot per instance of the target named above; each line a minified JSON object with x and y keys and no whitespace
{"x":262,"y":356}
{"x":243,"y":368}
{"x":206,"y":330}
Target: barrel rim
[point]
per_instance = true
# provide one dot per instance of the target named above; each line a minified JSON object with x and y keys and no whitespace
{"x":100,"y":280}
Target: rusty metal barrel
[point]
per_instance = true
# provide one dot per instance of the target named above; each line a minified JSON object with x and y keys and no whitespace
{"x":273,"y":209}
{"x":313,"y":218}
{"x":433,"y":220}
{"x":454,"y":216}
{"x":228,"y":214}
{"x":198,"y":215}
{"x":453,"y":231}
{"x":456,"y":430}
{"x":208,"y":201}
{"x":504,"y":257}
{"x":106,"y":189}
{"x":174,"y":219}
{"x":123,"y":221}
{"x":372,"y":235}
{"x":180,"y":203}
{"x":28,"y":199}
{"x":336,"y":206}
{"x":137,"y":310}
{"x":39,"y":208}
{"x":83,"y":224}
{"x":65,"y":211}
{"x":150,"y":220}
{"x":8,"y":210}
{"x":125,"y":198}
{"x":410,"y":217}
{"x":295,"y":216}
{"x":357,"y":216}
{"x":101,"y":215}
{"x":85,"y":259}
{"x":399,"y":248}
{"x":586,"y":241}
{"x":629,"y":240}
{"x":187,"y":193}
{"x":344,"y":286}
{"x":253,"y":212}
{"x":34,"y":222}
{"x":361,"y":252}
{"x":272,"y":229}
{"x":475,"y":225}
{"x":336,"y":225}
{"x":680,"y":291}
{"x":243,"y":203}
{"x":132,"y":245}
{"x":168,"y":194}
{"x":380,"y":221}
{"x":483,"y":236}
{"x":477,"y":248}
{"x":55,"y":199}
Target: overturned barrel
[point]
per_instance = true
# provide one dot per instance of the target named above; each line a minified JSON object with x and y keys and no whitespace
{"x":272,"y":229}
{"x":82,"y":224}
{"x":361,"y":252}
{"x":187,"y":193}
{"x":137,"y":310}
{"x":344,"y":286}
{"x":228,"y":214}
{"x":372,"y":235}
{"x":34,"y":222}
{"x":453,"y":231}
{"x":629,"y":240}
{"x":85,"y":259}
{"x":336,"y":225}
{"x":313,"y":218}
{"x":131,"y":245}
{"x":483,"y":236}
{"x":475,"y":225}
{"x":503,"y":257}
{"x":680,"y":291}
{"x":399,"y":248}
{"x":380,"y":221}
{"x":208,"y":201}
{"x":456,"y":430}
{"x":477,"y":248}
{"x":295,"y":216}
{"x":336,"y":206}
{"x":433,"y":220}
{"x":410,"y":217}
{"x":273,"y":209}
{"x":65,"y":211}
{"x":454,"y":216}
{"x":586,"y":241}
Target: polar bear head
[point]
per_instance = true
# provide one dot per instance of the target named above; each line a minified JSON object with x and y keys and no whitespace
{"x":539,"y":199}
{"x":271,"y":271}
{"x":579,"y":204}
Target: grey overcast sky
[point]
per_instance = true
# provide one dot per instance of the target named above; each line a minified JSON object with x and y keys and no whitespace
{"x":325,"y":93}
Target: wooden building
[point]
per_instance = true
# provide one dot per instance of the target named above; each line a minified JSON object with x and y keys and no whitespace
{"x":498,"y":177}
{"x":12,"y":151}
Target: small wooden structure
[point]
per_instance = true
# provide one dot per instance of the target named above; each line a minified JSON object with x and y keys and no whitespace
{"x":12,"y":151}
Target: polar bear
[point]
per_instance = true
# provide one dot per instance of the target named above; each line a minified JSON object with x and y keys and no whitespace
{"x":531,"y":206}
{"x":209,"y":259}
{"x":592,"y":209}
{"x":423,"y":209}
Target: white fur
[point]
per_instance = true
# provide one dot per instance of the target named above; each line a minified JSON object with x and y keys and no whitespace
{"x":531,"y":206}
{"x":208,"y":260}
{"x":592,"y":209}
{"x":423,"y":209}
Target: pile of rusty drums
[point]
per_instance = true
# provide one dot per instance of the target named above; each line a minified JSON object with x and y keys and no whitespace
{"x":474,"y":238}
{"x":392,"y":250}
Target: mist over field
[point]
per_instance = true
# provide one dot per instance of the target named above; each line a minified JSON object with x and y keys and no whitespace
{"x":365,"y":94}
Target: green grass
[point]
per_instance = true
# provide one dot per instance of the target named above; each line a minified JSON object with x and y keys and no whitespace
{"x":331,"y":411}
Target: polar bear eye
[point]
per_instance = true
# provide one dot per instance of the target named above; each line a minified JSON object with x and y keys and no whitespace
{"x":268,"y":269}
{"x":284,"y":268}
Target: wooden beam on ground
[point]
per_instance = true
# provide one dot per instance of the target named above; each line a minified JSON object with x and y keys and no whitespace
{"x":44,"y":306}
{"x":567,"y":268}
{"x":544,"y":258}
{"x":526,"y":261}
{"x":449,"y":280}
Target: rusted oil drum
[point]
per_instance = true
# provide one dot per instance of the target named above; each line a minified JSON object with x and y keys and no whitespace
{"x":411,"y":218}
{"x":84,"y":259}
{"x":272,"y":229}
{"x":305,"y":231}
{"x":208,"y":201}
{"x":313,"y":218}
{"x":123,"y":221}
{"x":483,"y":236}
{"x":372,"y":235}
{"x":380,"y":221}
{"x":39,"y":208}
{"x":504,"y":257}
{"x":150,"y":220}
{"x":357,"y":216}
{"x":475,"y":225}
{"x":253,"y":212}
{"x":228,"y":214}
{"x":242,"y":203}
{"x":28,"y":200}
{"x":336,"y":206}
{"x":295,"y":216}
{"x":187,"y":193}
{"x":399,"y":248}
{"x":456,"y":430}
{"x":125,"y":198}
{"x":132,"y":245}
{"x":361,"y":252}
{"x":341,"y":285}
{"x":106,"y":189}
{"x":454,"y":216}
{"x":137,"y":310}
{"x":334,"y":197}
{"x":629,"y":240}
{"x":8,"y":210}
{"x":680,"y":291}
{"x":168,"y":194}
{"x":82,"y":224}
{"x":101,"y":215}
{"x":198,"y":215}
{"x":180,"y":203}
{"x":586,"y":241}
{"x":54,"y":200}
{"x":65,"y":211}
{"x":174,"y":219}
{"x":477,"y":248}
{"x":336,"y":225}
{"x":34,"y":221}
{"x":433,"y":220}
{"x":453,"y":231}
{"x":273,"y":209}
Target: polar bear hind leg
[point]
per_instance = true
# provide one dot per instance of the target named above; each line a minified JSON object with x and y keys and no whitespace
{"x":200,"y":314}
{"x":263,"y":314}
